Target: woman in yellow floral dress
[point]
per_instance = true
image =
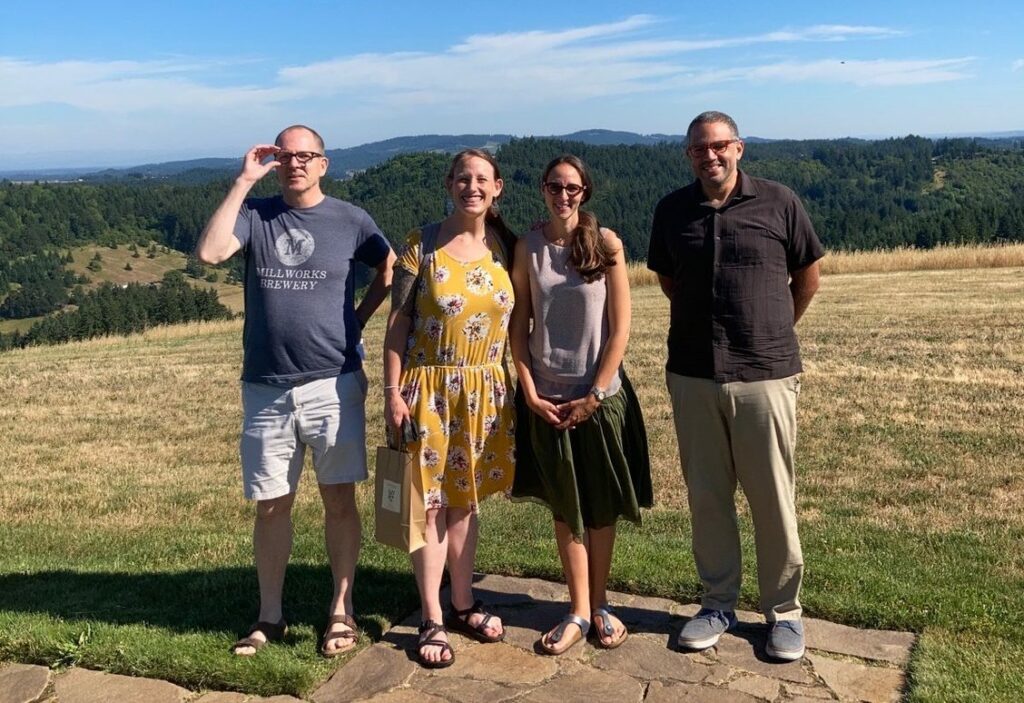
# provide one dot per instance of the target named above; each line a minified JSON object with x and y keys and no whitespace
{"x":444,"y":370}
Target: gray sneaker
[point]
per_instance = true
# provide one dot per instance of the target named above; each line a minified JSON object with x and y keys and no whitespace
{"x":704,"y":629}
{"x":786,"y":640}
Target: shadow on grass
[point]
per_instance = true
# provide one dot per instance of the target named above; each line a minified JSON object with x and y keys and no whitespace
{"x":195,"y":601}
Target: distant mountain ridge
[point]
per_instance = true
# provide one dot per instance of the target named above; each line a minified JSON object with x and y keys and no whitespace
{"x":344,"y":162}
{"x":349,"y":161}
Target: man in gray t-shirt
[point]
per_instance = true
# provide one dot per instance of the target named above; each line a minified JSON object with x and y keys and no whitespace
{"x":302,"y":378}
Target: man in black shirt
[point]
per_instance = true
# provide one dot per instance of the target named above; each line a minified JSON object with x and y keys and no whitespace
{"x":737,"y":257}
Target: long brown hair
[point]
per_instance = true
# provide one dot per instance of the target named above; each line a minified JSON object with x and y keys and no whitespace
{"x":589,"y":253}
{"x":493,"y":217}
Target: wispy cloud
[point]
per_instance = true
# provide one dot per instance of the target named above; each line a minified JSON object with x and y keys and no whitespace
{"x":1018,"y":64}
{"x":524,"y":42}
{"x":838,"y":32}
{"x":541,"y":66}
{"x":121,"y":86}
{"x":615,"y":58}
{"x":879,"y":72}
{"x":508,"y":78}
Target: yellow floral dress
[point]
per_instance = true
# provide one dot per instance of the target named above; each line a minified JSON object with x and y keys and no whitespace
{"x":454,"y":377}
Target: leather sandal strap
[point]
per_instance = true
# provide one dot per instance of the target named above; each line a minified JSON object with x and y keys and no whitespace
{"x":477,"y":607}
{"x":342,"y":619}
{"x":248,"y":642}
{"x":271,"y":630}
{"x":343,"y":635}
{"x":428,"y":629}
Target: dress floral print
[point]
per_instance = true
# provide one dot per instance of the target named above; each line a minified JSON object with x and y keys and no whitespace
{"x":454,"y":377}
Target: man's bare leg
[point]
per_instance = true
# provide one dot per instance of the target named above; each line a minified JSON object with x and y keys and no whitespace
{"x":342,"y":534}
{"x":272,"y":546}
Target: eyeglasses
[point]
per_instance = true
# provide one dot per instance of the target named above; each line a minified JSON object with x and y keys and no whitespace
{"x":303,"y":157}
{"x":571,"y":189}
{"x":696,"y":150}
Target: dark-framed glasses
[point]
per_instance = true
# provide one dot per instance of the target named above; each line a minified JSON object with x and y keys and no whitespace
{"x":302,"y":157}
{"x":571,"y":189}
{"x":719,"y":147}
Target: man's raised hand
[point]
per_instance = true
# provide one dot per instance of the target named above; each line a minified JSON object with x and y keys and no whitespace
{"x":253,"y":168}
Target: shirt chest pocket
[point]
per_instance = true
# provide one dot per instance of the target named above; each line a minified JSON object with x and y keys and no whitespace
{"x":690,"y":242}
{"x":752,"y":245}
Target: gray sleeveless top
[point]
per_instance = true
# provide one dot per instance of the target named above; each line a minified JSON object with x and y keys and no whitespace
{"x":570,"y":323}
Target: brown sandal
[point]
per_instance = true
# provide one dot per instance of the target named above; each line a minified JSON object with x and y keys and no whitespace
{"x":428,"y":638}
{"x":272,"y":631}
{"x":351,"y":634}
{"x":458,"y":620}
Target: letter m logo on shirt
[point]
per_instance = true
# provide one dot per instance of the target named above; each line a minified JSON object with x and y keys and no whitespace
{"x":294,"y":246}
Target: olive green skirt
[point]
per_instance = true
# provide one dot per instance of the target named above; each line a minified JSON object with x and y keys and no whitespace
{"x":589,"y":476}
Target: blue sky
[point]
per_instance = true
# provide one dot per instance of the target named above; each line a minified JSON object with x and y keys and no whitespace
{"x":117,"y":83}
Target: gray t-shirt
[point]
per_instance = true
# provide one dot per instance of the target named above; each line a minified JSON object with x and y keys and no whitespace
{"x":300,"y":320}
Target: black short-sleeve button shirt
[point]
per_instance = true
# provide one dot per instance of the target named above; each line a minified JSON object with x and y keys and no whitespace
{"x":731,"y":308}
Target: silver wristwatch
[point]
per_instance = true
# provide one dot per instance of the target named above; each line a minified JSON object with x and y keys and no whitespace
{"x":599,"y":393}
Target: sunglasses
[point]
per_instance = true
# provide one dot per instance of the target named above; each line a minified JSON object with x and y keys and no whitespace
{"x":571,"y":189}
{"x":696,"y":150}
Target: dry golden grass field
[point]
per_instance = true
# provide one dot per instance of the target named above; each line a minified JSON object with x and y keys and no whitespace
{"x":143,"y":429}
{"x":910,"y":461}
{"x":892,"y":260}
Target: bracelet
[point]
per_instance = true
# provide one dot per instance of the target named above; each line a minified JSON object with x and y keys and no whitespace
{"x":387,"y":388}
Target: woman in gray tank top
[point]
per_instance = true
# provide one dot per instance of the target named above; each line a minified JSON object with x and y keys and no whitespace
{"x":581,"y":446}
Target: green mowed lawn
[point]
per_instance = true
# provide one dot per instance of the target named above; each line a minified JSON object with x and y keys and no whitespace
{"x":125,"y":542}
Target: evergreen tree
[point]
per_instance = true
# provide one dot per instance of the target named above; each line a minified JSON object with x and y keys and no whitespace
{"x":193,"y":267}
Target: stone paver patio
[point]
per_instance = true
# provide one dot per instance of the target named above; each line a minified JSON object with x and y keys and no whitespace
{"x":842,"y":664}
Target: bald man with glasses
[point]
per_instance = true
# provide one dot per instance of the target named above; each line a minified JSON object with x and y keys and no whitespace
{"x":737,"y":257}
{"x":303,"y":383}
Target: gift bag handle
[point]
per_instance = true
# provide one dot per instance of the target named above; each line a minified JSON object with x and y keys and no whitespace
{"x":409,"y":434}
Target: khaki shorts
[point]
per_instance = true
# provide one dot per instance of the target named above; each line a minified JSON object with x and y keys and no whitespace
{"x":327,"y":415}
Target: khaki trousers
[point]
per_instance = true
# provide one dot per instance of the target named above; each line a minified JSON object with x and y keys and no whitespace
{"x":744,"y":432}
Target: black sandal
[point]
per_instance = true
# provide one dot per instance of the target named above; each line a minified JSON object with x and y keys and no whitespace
{"x":458,"y":620}
{"x":428,"y":638}
{"x":272,"y":631}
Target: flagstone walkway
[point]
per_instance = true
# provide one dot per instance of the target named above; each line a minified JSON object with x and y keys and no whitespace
{"x":842,"y":664}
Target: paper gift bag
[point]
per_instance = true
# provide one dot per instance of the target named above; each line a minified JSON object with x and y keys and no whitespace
{"x":399,"y":514}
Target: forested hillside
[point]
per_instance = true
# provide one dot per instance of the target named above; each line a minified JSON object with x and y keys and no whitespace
{"x":114,"y":309}
{"x":860,"y":195}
